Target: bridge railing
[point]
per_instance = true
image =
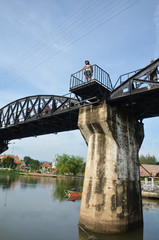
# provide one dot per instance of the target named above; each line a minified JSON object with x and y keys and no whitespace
{"x":98,"y":74}
{"x":139,"y":82}
{"x":34,"y":107}
{"x":122,"y":78}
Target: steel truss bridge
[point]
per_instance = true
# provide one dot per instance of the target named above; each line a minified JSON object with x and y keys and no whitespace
{"x":136,"y":92}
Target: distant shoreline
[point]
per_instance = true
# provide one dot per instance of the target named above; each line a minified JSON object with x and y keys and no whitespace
{"x":40,"y":174}
{"x":50,"y":175}
{"x":14,"y":172}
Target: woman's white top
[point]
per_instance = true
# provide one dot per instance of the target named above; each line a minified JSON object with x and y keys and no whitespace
{"x":88,"y":67}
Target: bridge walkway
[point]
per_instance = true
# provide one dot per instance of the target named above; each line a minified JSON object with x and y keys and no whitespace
{"x":139,"y":93}
{"x":98,"y":88}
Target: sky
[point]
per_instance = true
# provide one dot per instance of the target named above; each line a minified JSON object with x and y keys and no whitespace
{"x":44,"y":41}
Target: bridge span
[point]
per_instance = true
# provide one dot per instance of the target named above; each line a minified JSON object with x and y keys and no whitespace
{"x":110,"y":120}
{"x":37,"y":115}
{"x":44,"y":114}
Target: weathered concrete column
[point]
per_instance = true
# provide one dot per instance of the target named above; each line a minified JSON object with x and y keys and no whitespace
{"x":111,"y":200}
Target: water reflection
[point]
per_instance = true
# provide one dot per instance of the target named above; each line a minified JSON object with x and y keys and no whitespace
{"x":7,"y":181}
{"x":62,"y":184}
{"x":57,"y":186}
{"x":27,"y":203}
{"x":150,"y":230}
{"x":150,"y":204}
{"x":133,"y":235}
{"x":35,"y":208}
{"x":11,"y":181}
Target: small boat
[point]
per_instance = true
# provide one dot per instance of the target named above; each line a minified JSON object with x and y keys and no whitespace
{"x":73,"y":194}
{"x":73,"y":199}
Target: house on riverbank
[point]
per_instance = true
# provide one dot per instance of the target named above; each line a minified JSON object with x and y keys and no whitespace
{"x":20,"y":164}
{"x":16,"y":158}
{"x":46,"y":166}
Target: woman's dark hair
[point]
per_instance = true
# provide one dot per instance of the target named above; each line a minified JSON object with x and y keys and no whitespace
{"x":87,"y":61}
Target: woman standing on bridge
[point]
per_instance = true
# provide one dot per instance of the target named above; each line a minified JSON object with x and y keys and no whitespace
{"x":88,"y":70}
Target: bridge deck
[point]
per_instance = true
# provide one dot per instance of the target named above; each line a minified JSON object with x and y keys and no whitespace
{"x":142,"y":103}
{"x":65,"y":121}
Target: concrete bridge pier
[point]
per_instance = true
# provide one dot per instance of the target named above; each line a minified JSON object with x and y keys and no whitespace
{"x":111,"y":200}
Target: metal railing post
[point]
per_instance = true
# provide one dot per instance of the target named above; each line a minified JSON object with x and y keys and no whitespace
{"x":98,"y":75}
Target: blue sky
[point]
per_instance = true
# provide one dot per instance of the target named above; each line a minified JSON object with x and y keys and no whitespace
{"x":44,"y":41}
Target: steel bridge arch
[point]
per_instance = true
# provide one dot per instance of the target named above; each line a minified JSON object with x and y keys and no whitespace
{"x":37,"y":115}
{"x":34,"y":107}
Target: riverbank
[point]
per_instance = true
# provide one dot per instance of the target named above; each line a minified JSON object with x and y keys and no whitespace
{"x":15,"y":172}
{"x":152,"y":194}
{"x":51,"y":175}
{"x":10,"y":172}
{"x":150,"y":189}
{"x":40,"y":174}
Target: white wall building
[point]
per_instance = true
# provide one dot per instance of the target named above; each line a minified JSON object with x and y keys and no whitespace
{"x":54,"y":162}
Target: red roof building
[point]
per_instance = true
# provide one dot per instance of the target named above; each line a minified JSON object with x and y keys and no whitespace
{"x":16,"y":158}
{"x":147,"y":170}
{"x":46,"y":165}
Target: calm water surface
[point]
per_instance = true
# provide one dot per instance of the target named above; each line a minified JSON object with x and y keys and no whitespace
{"x":35,"y":208}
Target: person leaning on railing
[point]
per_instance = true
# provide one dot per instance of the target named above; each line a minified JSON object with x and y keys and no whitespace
{"x":88,"y":71}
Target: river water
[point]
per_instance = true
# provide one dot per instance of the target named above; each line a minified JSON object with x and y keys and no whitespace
{"x":35,"y":208}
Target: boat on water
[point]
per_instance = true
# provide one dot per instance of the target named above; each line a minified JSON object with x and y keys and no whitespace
{"x":73,"y":198}
{"x":73,"y":194}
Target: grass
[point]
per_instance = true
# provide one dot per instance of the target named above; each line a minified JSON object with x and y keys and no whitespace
{"x":10,"y":172}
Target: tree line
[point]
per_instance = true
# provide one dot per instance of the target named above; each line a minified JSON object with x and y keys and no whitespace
{"x":8,"y":162}
{"x":66,"y":164}
{"x":148,"y":159}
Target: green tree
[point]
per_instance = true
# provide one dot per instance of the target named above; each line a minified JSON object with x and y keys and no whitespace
{"x":62,"y":163}
{"x":83,"y":167}
{"x":69,"y":164}
{"x":8,"y":162}
{"x":75,"y":164}
{"x":33,"y":164}
{"x":27,"y":160}
{"x":148,"y":159}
